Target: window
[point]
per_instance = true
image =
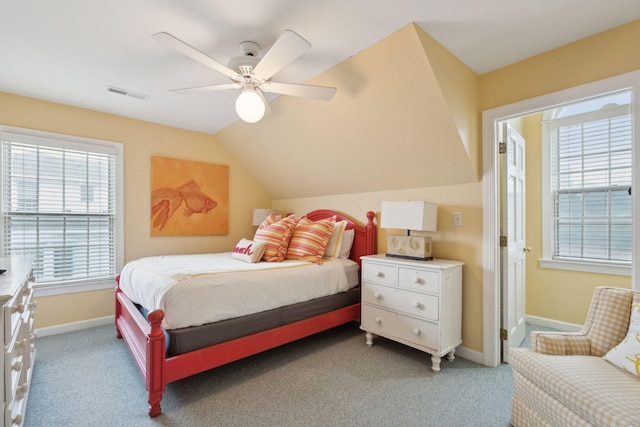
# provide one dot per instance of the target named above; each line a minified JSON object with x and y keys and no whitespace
{"x":61,"y":203}
{"x":589,"y":145}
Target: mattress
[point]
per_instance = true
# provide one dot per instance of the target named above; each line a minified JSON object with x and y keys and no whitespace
{"x":195,"y":290}
{"x":185,"y":340}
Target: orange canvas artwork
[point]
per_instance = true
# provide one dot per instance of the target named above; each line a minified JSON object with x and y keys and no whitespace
{"x":188,"y":198}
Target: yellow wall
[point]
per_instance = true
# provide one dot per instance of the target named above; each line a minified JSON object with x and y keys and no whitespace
{"x":552,"y":294}
{"x":141,"y":140}
{"x":595,"y":58}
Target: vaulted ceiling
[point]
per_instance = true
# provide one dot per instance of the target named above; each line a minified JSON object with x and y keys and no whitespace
{"x":396,"y":124}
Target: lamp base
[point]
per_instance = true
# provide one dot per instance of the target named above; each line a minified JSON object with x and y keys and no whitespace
{"x":409,"y":247}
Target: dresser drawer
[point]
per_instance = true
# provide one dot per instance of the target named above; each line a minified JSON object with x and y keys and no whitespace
{"x":380,"y":273}
{"x":15,"y":307}
{"x":15,"y":361}
{"x":400,"y":327}
{"x":412,"y":303}
{"x":419,"y":280}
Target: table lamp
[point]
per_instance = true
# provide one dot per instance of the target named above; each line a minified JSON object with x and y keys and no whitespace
{"x":409,"y":215}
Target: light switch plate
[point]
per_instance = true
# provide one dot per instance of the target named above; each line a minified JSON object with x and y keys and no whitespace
{"x":458,"y":219}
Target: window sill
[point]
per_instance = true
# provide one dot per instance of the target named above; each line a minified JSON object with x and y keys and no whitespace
{"x":51,"y":289}
{"x":587,"y":267}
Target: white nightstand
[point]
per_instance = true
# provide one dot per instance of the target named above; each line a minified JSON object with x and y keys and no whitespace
{"x":417,"y":303}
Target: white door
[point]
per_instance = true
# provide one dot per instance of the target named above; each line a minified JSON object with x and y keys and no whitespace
{"x":513,"y":228}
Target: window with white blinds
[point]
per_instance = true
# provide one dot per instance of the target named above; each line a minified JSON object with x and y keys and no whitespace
{"x":60,"y":203}
{"x":591,"y":176}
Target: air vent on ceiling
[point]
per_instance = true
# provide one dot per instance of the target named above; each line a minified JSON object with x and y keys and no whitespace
{"x":125,"y":92}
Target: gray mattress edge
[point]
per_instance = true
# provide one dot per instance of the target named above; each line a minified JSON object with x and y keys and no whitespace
{"x":184,"y":340}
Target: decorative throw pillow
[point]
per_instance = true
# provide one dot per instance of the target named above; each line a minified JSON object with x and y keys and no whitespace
{"x":309,"y":239}
{"x":332,"y":249}
{"x":626,"y":355}
{"x":248,"y":250}
{"x":271,"y":219}
{"x":277,"y":237}
{"x":347,"y":242}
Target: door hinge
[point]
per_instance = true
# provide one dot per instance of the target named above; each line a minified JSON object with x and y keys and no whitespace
{"x":502,"y":147}
{"x":503,"y":241}
{"x":503,"y":334}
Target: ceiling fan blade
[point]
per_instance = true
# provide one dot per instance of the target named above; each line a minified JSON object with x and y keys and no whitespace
{"x":207,"y":88}
{"x":193,"y":53}
{"x":323,"y":93}
{"x":288,"y":47}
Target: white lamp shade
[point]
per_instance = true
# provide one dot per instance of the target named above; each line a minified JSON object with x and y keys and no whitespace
{"x":250,"y":106}
{"x":259,"y":215}
{"x":409,"y":215}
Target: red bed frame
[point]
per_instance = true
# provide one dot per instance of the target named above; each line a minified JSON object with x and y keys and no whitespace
{"x":146,"y":340}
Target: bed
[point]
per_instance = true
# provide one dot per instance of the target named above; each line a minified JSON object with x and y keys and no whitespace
{"x":165,"y":356}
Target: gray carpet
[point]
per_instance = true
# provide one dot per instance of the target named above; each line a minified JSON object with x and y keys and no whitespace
{"x":87,"y":378}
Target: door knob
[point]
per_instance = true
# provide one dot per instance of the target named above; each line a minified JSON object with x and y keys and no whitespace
{"x":526,"y":249}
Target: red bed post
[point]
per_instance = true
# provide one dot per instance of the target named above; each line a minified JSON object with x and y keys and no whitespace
{"x":155,"y":362}
{"x":370,"y":234}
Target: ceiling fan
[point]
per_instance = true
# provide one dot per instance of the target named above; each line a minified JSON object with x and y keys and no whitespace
{"x":253,"y":74}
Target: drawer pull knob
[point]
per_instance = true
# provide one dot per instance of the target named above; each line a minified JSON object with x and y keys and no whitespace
{"x":22,"y":389}
{"x":22,"y":343}
{"x":379,"y":274}
{"x":377,"y":295}
{"x":416,"y":331}
{"x":16,"y":366}
{"x":17,"y":420}
{"x":378,"y":320}
{"x":417,"y":280}
{"x":18,"y":308}
{"x":417,"y":304}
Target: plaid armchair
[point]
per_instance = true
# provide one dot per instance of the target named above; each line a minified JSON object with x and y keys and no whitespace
{"x":563,"y":379}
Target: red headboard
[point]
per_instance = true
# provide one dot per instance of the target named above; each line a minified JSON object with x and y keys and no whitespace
{"x":365,"y":237}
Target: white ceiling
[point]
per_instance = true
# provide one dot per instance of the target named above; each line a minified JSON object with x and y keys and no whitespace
{"x":69,"y":51}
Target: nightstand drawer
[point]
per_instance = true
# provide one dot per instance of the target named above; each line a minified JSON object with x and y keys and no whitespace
{"x":401,"y":327}
{"x":419,"y":280}
{"x":380,"y":273}
{"x":415,"y":304}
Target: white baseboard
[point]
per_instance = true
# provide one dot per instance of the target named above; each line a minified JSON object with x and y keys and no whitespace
{"x":471,"y":355}
{"x":555,"y":324}
{"x":75,"y":326}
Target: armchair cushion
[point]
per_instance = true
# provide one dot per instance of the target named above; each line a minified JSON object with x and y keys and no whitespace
{"x":560,"y":343}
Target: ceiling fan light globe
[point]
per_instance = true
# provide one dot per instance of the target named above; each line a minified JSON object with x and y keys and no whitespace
{"x":250,"y":107}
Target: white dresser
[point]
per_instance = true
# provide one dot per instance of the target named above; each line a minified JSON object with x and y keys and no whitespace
{"x":18,"y":306}
{"x":417,"y":303}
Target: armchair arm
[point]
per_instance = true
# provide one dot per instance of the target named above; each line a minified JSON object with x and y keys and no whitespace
{"x":561,"y":343}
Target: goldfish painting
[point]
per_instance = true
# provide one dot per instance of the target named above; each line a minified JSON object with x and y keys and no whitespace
{"x":165,"y":201}
{"x":188,"y":198}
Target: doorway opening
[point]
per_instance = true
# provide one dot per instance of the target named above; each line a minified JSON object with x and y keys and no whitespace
{"x":492,"y":126}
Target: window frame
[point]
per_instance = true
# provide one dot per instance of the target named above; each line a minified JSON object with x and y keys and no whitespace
{"x":84,"y":143}
{"x":548,"y":231}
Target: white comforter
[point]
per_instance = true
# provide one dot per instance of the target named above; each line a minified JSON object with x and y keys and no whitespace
{"x":197,"y":289}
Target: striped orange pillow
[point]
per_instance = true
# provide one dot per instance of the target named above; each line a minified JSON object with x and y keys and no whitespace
{"x":276,"y":237}
{"x":309,"y":239}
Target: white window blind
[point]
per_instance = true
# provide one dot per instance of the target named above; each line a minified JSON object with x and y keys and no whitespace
{"x":591,"y":175}
{"x":59,"y":204}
